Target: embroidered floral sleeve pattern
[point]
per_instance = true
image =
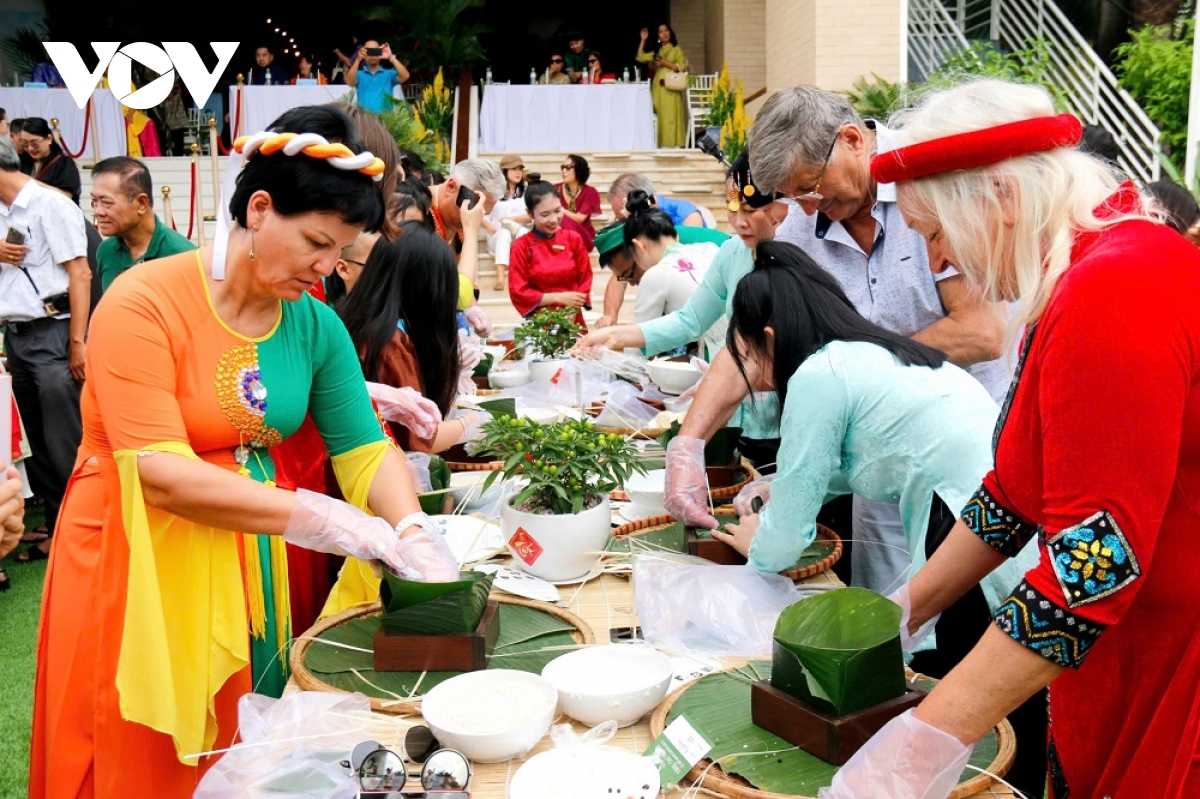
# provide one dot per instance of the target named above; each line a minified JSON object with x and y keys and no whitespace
{"x":1000,"y":528}
{"x":1033,"y":621}
{"x":1092,"y":560}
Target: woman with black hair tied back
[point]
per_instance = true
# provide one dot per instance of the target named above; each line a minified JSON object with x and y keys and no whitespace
{"x":550,"y":266}
{"x":666,"y":272}
{"x":862,"y":410}
{"x":166,"y":596}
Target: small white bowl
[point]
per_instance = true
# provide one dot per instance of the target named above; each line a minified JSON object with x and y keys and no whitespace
{"x":496,"y":351}
{"x":622,"y":682}
{"x":676,"y":405}
{"x":468,"y":486}
{"x":648,"y":491}
{"x":673,"y":377}
{"x":540,"y":415}
{"x":508,"y":378}
{"x":492,"y":715}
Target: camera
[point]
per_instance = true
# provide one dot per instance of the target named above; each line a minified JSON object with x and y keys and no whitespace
{"x":711,"y":145}
{"x":374,"y":51}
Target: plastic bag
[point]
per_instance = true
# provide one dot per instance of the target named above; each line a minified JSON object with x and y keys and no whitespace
{"x":630,"y":364}
{"x":624,"y":409}
{"x":291,"y":748}
{"x":692,"y":603}
{"x":564,"y":735}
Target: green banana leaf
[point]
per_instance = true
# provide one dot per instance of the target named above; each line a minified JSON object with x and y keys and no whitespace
{"x":439,"y":473}
{"x":839,"y":651}
{"x":434,"y":502}
{"x":484,"y":366}
{"x":434,"y":608}
{"x":500,"y":406}
{"x":529,"y":639}
{"x":719,"y":706}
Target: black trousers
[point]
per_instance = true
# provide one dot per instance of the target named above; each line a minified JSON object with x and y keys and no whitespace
{"x":958,"y":630}
{"x":47,"y":395}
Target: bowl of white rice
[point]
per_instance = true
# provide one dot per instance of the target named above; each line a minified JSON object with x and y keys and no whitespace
{"x":492,"y":715}
{"x":621,"y":682}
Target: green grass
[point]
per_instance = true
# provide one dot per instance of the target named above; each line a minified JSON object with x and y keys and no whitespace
{"x":18,"y":643}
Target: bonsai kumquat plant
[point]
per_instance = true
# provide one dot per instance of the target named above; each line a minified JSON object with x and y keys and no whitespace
{"x":551,"y":332}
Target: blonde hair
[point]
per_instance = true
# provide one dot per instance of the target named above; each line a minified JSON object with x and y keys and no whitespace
{"x":1054,"y":196}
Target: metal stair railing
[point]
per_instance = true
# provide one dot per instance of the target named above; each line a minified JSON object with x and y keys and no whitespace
{"x":933,"y":37}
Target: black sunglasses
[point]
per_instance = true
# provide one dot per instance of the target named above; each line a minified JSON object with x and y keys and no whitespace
{"x":556,"y":60}
{"x":593,"y":61}
{"x":445,"y":773}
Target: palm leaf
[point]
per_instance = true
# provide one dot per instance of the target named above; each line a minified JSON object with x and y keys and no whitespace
{"x":719,"y":706}
{"x":529,"y":639}
{"x":434,"y":608}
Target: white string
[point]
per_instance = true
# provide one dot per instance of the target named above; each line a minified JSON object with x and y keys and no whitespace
{"x":1016,"y":791}
{"x":333,"y":643}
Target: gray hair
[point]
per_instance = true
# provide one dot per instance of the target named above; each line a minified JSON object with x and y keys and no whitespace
{"x":793,"y":131}
{"x":628,"y":182}
{"x":478,"y":174}
{"x":9,"y":160}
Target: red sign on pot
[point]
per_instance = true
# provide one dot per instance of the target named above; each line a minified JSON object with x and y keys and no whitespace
{"x":525,"y":546}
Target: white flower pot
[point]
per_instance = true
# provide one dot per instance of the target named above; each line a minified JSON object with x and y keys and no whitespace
{"x":543,"y":371}
{"x":556,"y":548}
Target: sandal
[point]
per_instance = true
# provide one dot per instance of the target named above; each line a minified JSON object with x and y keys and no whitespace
{"x":36,"y":536}
{"x":33,"y":554}
{"x":4,"y":581}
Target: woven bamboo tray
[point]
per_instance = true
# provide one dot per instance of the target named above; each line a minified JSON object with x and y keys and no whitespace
{"x":305,"y":679}
{"x":715,"y":781}
{"x":825,"y":537}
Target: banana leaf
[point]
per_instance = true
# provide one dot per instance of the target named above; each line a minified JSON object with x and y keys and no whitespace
{"x":839,"y":651}
{"x":719,"y":706}
{"x":500,"y":406}
{"x":439,"y":473}
{"x":434,"y":501}
{"x":434,"y":608}
{"x":719,"y":450}
{"x":484,"y":366}
{"x":529,"y":639}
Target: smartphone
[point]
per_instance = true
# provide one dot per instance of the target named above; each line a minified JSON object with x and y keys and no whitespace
{"x":465,"y":195}
{"x":756,"y":504}
{"x":15,"y":236}
{"x":374,"y":51}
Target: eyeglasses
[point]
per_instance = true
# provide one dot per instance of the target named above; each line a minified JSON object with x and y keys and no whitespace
{"x":352,"y":261}
{"x":813,"y":194}
{"x":445,"y":773}
{"x":593,"y":61}
{"x":556,"y":60}
{"x":31,"y":144}
{"x":627,"y":275}
{"x":566,"y":167}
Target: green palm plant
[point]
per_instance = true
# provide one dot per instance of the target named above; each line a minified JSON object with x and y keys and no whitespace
{"x":434,"y":34}
{"x":23,"y":49}
{"x":411,"y":135}
{"x":877,"y":98}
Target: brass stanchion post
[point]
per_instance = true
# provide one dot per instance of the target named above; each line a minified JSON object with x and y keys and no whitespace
{"x":214,"y":150}
{"x":198,"y":200}
{"x":168,"y":217}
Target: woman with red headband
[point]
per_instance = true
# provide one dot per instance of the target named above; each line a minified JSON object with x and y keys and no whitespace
{"x":1095,"y":455}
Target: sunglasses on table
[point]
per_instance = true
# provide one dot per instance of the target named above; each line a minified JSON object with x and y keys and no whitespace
{"x":445,"y":773}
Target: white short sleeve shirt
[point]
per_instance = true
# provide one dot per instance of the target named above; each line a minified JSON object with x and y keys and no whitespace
{"x":54,"y":232}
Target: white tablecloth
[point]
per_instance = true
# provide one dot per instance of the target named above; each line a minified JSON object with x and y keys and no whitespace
{"x":262,"y":105}
{"x":58,"y":104}
{"x":604,"y":118}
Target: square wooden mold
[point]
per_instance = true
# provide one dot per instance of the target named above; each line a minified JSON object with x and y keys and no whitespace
{"x":445,"y":652}
{"x":712,"y":549}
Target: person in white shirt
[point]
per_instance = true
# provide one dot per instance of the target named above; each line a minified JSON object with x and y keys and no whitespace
{"x":509,"y":218}
{"x":45,"y":297}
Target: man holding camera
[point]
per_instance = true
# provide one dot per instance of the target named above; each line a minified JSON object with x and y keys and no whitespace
{"x":45,"y":297}
{"x":375,"y":81}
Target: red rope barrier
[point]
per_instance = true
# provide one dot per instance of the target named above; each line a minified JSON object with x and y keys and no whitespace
{"x":87,"y":115}
{"x":237,"y":115}
{"x":192,"y":209}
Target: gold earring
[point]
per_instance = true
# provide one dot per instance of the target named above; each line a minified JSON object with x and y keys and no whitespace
{"x":253,"y":254}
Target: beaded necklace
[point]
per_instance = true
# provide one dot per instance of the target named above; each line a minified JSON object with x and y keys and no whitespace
{"x":571,"y":195}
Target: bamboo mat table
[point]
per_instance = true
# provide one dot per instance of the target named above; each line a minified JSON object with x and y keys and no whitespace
{"x":604,"y":603}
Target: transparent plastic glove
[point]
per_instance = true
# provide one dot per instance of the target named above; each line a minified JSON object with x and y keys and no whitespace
{"x":427,"y":551}
{"x":470,"y":351}
{"x":418,"y":469}
{"x":907,"y":759}
{"x":908,"y":641}
{"x":473,"y":422}
{"x":760,"y":488}
{"x":687,"y":488}
{"x":325,"y":524}
{"x":477,"y":318}
{"x":702,"y":365}
{"x":406,"y":406}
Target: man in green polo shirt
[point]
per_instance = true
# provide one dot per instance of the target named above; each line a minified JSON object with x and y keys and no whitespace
{"x":123,"y":204}
{"x":616,"y":255}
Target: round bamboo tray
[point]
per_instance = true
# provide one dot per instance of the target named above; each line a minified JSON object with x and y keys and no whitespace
{"x":824,"y":535}
{"x":746,"y":473}
{"x":715,"y":781}
{"x":304,"y":678}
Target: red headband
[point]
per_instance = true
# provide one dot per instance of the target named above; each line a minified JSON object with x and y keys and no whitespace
{"x":976,"y":148}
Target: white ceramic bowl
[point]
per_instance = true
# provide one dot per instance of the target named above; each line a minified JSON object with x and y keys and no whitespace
{"x":673,"y":377}
{"x":508,"y":378}
{"x":648,"y":491}
{"x":540,"y":415}
{"x":622,"y":682}
{"x":468,"y":485}
{"x":491,"y":715}
{"x":496,"y":351}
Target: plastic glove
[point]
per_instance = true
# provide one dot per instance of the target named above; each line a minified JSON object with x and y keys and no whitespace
{"x":908,"y":641}
{"x":478,"y":320}
{"x":418,"y":469}
{"x":907,"y":759}
{"x":406,"y":406}
{"x":427,"y":551}
{"x":702,"y":365}
{"x":325,"y":524}
{"x":686,"y":495}
{"x":760,"y":488}
{"x":470,"y":351}
{"x":473,"y":422}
